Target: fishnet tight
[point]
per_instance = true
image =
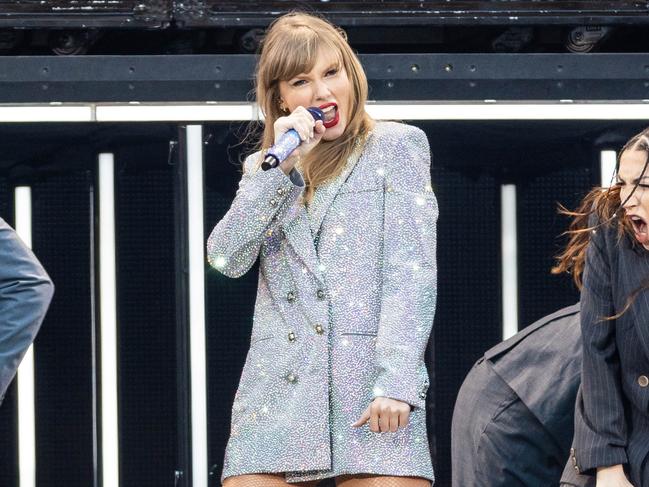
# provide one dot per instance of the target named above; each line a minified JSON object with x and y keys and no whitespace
{"x":262,"y":480}
{"x":380,"y":481}
{"x":273,"y":480}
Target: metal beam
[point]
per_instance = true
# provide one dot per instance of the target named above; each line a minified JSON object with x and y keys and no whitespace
{"x":162,"y":14}
{"x":392,"y":77}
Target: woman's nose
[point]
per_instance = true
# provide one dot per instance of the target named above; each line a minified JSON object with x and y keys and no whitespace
{"x":321,"y":90}
{"x":628,"y":198}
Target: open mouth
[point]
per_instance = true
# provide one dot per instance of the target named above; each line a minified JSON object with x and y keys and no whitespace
{"x":331,"y":116}
{"x":640,"y":228}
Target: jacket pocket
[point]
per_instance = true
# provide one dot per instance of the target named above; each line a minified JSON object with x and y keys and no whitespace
{"x":260,"y":338}
{"x":368,"y":333}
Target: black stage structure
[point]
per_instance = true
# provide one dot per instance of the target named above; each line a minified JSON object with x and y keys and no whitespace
{"x":548,"y":158}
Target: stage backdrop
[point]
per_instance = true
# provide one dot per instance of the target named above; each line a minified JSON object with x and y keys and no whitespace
{"x":548,"y":162}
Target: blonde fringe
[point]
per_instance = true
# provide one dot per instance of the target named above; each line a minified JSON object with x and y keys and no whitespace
{"x":309,"y":32}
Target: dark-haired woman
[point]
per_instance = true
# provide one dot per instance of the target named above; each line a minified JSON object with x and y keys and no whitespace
{"x":610,"y":245}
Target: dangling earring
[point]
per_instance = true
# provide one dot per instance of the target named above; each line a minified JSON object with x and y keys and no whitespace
{"x":283,"y":107}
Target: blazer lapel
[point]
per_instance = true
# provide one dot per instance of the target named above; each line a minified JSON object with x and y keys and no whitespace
{"x":297,"y":232}
{"x":326,"y":193}
{"x":637,"y":271}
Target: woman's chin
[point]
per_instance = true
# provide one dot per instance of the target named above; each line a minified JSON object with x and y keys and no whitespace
{"x":642,"y":238}
{"x":334,"y":132}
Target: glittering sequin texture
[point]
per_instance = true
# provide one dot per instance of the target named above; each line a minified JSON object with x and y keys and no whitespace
{"x":345,"y":305}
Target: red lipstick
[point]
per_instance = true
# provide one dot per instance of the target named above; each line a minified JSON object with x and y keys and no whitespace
{"x":334,"y":121}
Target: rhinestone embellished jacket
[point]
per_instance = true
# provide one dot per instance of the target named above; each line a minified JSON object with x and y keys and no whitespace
{"x":344,"y":310}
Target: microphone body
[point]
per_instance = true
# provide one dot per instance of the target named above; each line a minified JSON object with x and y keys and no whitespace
{"x":287,"y":143}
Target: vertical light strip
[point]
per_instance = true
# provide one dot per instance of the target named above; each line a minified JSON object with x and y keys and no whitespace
{"x":108,"y":322}
{"x":95,"y":366}
{"x":197,"y":346}
{"x":509,"y":260}
{"x":26,"y":395}
{"x":607,"y":163}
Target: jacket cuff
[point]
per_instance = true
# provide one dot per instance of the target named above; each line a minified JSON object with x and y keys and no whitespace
{"x":586,"y":463}
{"x":572,"y":477}
{"x":411,"y":392}
{"x":281,"y":192}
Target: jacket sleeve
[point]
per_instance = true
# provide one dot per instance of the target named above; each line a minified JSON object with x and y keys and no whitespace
{"x":262,"y":199}
{"x":25,"y":294}
{"x":601,"y":434}
{"x":409,"y":287}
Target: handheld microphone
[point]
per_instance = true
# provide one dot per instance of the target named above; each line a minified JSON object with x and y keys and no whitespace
{"x":287,"y":143}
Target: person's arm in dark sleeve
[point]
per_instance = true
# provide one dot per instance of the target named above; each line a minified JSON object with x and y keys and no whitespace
{"x":601,"y":435}
{"x":25,"y":294}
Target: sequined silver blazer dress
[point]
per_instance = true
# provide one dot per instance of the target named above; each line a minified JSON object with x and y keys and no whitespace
{"x":344,"y":309}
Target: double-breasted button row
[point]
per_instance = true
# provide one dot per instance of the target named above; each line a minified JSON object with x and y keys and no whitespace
{"x":319,"y":329}
{"x":291,"y":378}
{"x":292,"y":295}
{"x":643,"y":381}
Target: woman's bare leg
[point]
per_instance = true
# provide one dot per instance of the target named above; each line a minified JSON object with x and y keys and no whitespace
{"x":263,"y":480}
{"x":380,"y":481}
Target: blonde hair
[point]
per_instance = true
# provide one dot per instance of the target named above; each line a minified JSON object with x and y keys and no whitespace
{"x":290,"y":47}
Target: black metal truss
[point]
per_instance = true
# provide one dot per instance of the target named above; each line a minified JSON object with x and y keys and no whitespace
{"x":347,"y":13}
{"x":85,"y":14}
{"x":392,"y":77}
{"x":160,"y":14}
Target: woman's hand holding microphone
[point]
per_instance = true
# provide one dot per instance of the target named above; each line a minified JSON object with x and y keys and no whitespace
{"x":310,"y":131}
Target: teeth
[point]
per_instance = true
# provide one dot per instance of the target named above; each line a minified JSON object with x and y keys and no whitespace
{"x":328,"y":109}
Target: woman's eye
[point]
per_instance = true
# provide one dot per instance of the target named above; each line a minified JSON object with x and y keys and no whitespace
{"x":644,"y":185}
{"x":332,"y":72}
{"x":299,"y":82}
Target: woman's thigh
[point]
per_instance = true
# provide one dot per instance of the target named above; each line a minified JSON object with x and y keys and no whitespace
{"x":263,"y":480}
{"x":380,"y":481}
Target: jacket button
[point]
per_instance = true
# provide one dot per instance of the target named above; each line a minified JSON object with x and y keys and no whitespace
{"x":291,"y":378}
{"x":577,"y":469}
{"x":643,"y":381}
{"x":291,"y":336}
{"x":320,"y":293}
{"x":319,"y":329}
{"x":281,"y":191}
{"x":422,"y":394}
{"x":290,"y":296}
{"x":273,"y":202}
